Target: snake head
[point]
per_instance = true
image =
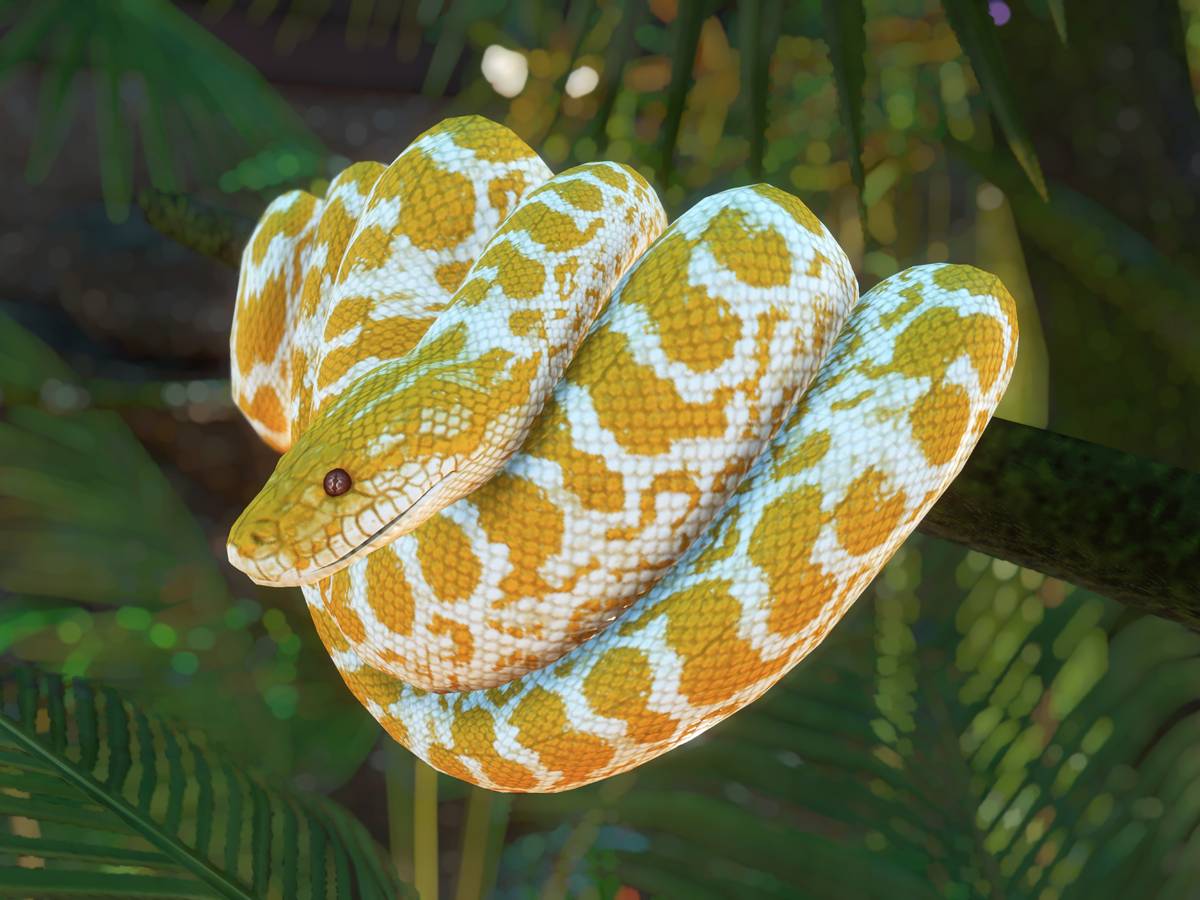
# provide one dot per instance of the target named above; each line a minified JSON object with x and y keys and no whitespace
{"x":385,"y":457}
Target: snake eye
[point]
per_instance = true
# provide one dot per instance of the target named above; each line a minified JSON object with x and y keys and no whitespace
{"x":337,"y":482}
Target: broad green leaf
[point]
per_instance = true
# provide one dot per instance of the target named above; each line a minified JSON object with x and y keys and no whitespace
{"x":56,"y":102}
{"x":976,"y":35}
{"x":844,"y":21}
{"x":451,"y":38}
{"x":176,"y":818}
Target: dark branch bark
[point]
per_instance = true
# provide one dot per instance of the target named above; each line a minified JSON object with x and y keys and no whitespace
{"x":1120,"y":525}
{"x":1115,"y":523}
{"x":215,"y":233}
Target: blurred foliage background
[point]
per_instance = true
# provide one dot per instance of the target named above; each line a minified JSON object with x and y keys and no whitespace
{"x":971,"y":730}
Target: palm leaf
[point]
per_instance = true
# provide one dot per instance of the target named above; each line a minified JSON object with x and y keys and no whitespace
{"x":1110,"y":259}
{"x":758,"y":22}
{"x":847,"y":46}
{"x":976,"y":34}
{"x":620,"y":51}
{"x":116,"y":803}
{"x":683,"y":57}
{"x":971,"y":729}
{"x":194,"y":85}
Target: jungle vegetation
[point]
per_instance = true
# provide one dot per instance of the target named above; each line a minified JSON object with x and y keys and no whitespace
{"x":1012,"y":710}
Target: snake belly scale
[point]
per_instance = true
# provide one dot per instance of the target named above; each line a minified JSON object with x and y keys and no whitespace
{"x":599,"y":482}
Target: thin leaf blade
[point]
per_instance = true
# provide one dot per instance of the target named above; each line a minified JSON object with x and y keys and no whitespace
{"x":976,"y":35}
{"x":844,"y":34}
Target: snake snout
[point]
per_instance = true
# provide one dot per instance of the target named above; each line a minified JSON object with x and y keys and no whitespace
{"x":260,"y":533}
{"x":255,"y":533}
{"x":254,"y":539}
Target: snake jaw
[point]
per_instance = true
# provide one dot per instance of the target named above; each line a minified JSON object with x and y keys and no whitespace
{"x":258,"y":549}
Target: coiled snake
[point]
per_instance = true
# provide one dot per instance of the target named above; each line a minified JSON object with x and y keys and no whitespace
{"x":563,"y":488}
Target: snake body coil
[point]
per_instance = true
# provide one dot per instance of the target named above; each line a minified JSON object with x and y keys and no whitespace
{"x":597,"y":485}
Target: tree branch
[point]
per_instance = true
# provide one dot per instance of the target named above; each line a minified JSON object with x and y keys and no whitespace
{"x":216,"y":233}
{"x":1114,"y":523}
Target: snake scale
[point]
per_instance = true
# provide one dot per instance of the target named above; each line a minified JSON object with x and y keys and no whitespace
{"x":564,"y":486}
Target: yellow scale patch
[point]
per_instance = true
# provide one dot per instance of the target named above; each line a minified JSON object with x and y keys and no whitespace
{"x":789,"y":551}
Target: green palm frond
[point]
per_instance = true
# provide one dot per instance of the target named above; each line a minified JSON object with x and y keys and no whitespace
{"x":154,"y":71}
{"x":111,"y":802}
{"x":976,"y":730}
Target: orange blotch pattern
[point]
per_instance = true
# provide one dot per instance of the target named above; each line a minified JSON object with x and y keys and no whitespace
{"x":794,"y":207}
{"x":348,"y":314}
{"x":335,"y":592}
{"x":437,"y":205}
{"x":700,"y":618}
{"x":262,"y":324}
{"x":474,"y":735}
{"x":618,"y":686}
{"x":286,"y":223}
{"x":488,"y":141}
{"x":611,"y":176}
{"x":586,"y":475}
{"x":799,"y":587}
{"x":868,"y":514}
{"x":660,"y":415}
{"x":450,"y":275}
{"x":266,"y":409}
{"x":792,"y":459}
{"x":327,"y":630}
{"x":447,"y":560}
{"x":580,"y":194}
{"x":461,"y":640}
{"x":554,"y":230}
{"x":520,"y":277}
{"x":542,"y":726}
{"x":939,"y":420}
{"x":503,"y":190}
{"x":368,"y":683}
{"x":382,"y":340}
{"x":757,"y":256}
{"x":388,"y":592}
{"x":515,"y":512}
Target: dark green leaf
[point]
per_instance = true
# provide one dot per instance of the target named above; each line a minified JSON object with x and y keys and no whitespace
{"x":683,"y":57}
{"x":157,"y":822}
{"x":1060,"y":18}
{"x":844,"y":34}
{"x":977,"y":36}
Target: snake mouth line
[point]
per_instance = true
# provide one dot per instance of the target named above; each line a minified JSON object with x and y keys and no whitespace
{"x":346,"y":558}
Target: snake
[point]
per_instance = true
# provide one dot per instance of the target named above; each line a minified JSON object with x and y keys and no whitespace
{"x":564,"y":485}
